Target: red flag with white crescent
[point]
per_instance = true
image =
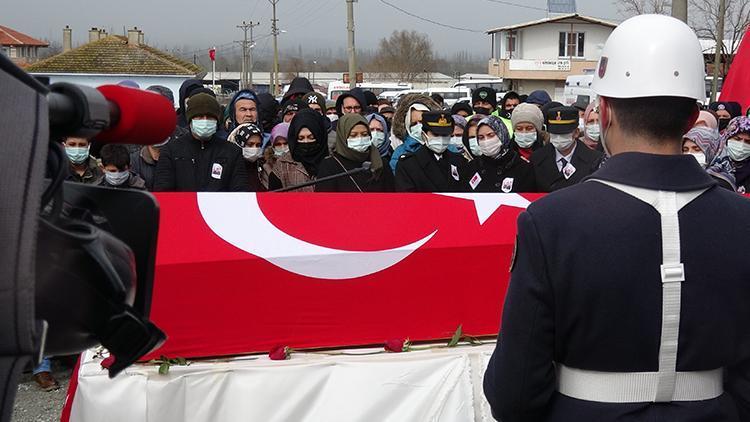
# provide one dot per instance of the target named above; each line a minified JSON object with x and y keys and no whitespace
{"x":737,"y":83}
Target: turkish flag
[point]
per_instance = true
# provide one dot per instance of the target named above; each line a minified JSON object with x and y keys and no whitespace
{"x":212,"y":54}
{"x":243,"y":273}
{"x":737,"y":83}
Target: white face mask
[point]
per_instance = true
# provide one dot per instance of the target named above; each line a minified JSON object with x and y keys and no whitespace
{"x":378,"y":138}
{"x":561,"y":142}
{"x":359,"y":144}
{"x":491,"y":147}
{"x":116,"y":178}
{"x":279,"y":151}
{"x":332,"y":117}
{"x":738,"y":150}
{"x":251,"y":153}
{"x":416,"y":131}
{"x":699,"y":157}
{"x":438,"y":144}
{"x":593,"y":131}
{"x":474,"y":147}
{"x":525,"y":139}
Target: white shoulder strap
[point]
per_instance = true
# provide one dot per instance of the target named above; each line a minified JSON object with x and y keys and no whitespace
{"x":668,"y":204}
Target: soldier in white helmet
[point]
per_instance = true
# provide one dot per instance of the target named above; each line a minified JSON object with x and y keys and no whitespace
{"x":623,"y":304}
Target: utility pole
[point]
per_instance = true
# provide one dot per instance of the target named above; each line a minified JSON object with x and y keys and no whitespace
{"x":245,"y":81}
{"x":680,"y":10}
{"x":719,"y":47}
{"x":275,"y":32}
{"x":352,"y":51}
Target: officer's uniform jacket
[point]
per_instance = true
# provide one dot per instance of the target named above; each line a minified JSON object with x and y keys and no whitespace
{"x":421,"y":171}
{"x":549,"y":178}
{"x":587,"y":290}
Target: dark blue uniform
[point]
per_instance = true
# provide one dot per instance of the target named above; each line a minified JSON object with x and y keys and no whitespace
{"x":586,"y":292}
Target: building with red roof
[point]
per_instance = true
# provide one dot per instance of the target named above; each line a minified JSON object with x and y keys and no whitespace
{"x":19,"y":47}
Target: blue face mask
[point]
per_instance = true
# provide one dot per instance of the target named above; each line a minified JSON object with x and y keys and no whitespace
{"x":117,"y":178}
{"x":77,"y":155}
{"x":203,"y":129}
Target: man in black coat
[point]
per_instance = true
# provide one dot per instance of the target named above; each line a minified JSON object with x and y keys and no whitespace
{"x":623,"y":304}
{"x":200,"y":161}
{"x":565,"y":161}
{"x":431,"y":168}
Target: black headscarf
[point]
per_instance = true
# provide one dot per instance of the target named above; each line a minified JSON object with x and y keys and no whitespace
{"x":310,"y":155}
{"x":268,"y":110}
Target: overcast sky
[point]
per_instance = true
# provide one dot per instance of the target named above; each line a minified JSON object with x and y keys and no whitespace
{"x":310,"y":23}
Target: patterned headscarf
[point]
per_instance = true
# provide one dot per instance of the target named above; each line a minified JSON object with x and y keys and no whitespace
{"x":500,"y":130}
{"x":722,"y":166}
{"x":707,"y":139}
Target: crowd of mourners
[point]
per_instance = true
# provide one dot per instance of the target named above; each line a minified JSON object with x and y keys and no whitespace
{"x":518,"y":143}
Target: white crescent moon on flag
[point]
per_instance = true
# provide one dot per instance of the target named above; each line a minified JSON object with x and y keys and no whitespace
{"x":238,"y":219}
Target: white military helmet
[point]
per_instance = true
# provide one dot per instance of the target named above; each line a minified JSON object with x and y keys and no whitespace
{"x":651,"y":56}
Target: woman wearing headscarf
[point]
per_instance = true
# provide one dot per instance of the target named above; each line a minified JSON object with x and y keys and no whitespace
{"x":469,"y":138}
{"x":307,"y":148}
{"x":274,"y":147}
{"x":380,"y":132}
{"x":354,"y":148}
{"x":592,"y":129}
{"x":249,"y":137}
{"x":707,"y":119}
{"x":499,"y":168}
{"x":528,"y":132}
{"x":406,"y":132}
{"x":736,"y":139}
{"x":704,"y":143}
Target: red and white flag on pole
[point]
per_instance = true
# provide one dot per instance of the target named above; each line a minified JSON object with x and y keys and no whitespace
{"x":212,"y":54}
{"x":737,"y":83}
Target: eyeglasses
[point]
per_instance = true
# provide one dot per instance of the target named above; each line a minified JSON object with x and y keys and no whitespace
{"x":353,"y":108}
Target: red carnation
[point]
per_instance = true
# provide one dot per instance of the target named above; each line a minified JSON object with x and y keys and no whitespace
{"x":279,"y":353}
{"x":397,"y":345}
{"x":108,"y":361}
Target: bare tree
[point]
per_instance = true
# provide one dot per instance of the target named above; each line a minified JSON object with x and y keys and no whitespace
{"x":704,"y":18}
{"x":630,"y":8}
{"x":404,"y":56}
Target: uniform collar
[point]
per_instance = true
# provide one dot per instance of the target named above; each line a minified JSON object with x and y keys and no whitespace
{"x":678,"y":173}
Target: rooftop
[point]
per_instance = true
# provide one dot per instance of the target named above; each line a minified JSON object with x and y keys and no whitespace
{"x":14,"y":38}
{"x":113,"y":55}
{"x":554,"y":19}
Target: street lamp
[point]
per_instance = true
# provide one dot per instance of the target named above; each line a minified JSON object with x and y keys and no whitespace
{"x":315,"y":62}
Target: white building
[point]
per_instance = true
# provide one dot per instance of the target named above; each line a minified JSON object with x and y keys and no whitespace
{"x":109,"y":59}
{"x":541,"y":54}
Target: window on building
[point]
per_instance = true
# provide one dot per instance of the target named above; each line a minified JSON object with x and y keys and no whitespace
{"x":571,"y":44}
{"x":511,"y":44}
{"x":13,"y":53}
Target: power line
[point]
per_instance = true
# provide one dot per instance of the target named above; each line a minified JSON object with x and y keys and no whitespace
{"x":508,"y":3}
{"x":430,"y":20}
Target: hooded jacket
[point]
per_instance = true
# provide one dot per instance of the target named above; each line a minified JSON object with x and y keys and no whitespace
{"x":299,"y":86}
{"x":186,"y":89}
{"x":356,"y":93}
{"x":399,"y":129}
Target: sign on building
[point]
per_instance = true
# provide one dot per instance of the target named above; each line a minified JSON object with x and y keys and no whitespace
{"x":562,"y":65}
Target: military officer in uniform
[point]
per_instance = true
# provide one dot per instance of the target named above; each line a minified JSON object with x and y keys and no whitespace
{"x":431,"y":168}
{"x":565,"y":161}
{"x":623,"y":305}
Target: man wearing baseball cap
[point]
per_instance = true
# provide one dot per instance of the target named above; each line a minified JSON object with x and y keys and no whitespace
{"x":200,"y":161}
{"x":623,"y":305}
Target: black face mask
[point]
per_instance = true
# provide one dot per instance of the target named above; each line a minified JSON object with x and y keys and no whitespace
{"x":723,"y":123}
{"x":505,"y":113}
{"x":482,"y":110}
{"x":307,"y":149}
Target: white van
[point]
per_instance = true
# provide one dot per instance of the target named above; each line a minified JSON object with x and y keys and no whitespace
{"x":337,"y":88}
{"x":576,"y":85}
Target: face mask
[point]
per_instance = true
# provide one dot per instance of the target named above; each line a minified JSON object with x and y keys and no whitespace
{"x":251,"y":153}
{"x":457,"y":142}
{"x":593,"y":131}
{"x":474,"y":147}
{"x":699,"y":157}
{"x":359,"y":144}
{"x":505,"y":113}
{"x":525,"y":139}
{"x":378,"y":138}
{"x":723,"y":123}
{"x":561,"y":142}
{"x":490,"y":147}
{"x":77,"y":155}
{"x":116,"y":178}
{"x":279,"y":151}
{"x":307,"y":149}
{"x":416,"y":131}
{"x":332,"y":117}
{"x":738,"y":150}
{"x":203,"y":129}
{"x":482,"y":110}
{"x":438,"y":144}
